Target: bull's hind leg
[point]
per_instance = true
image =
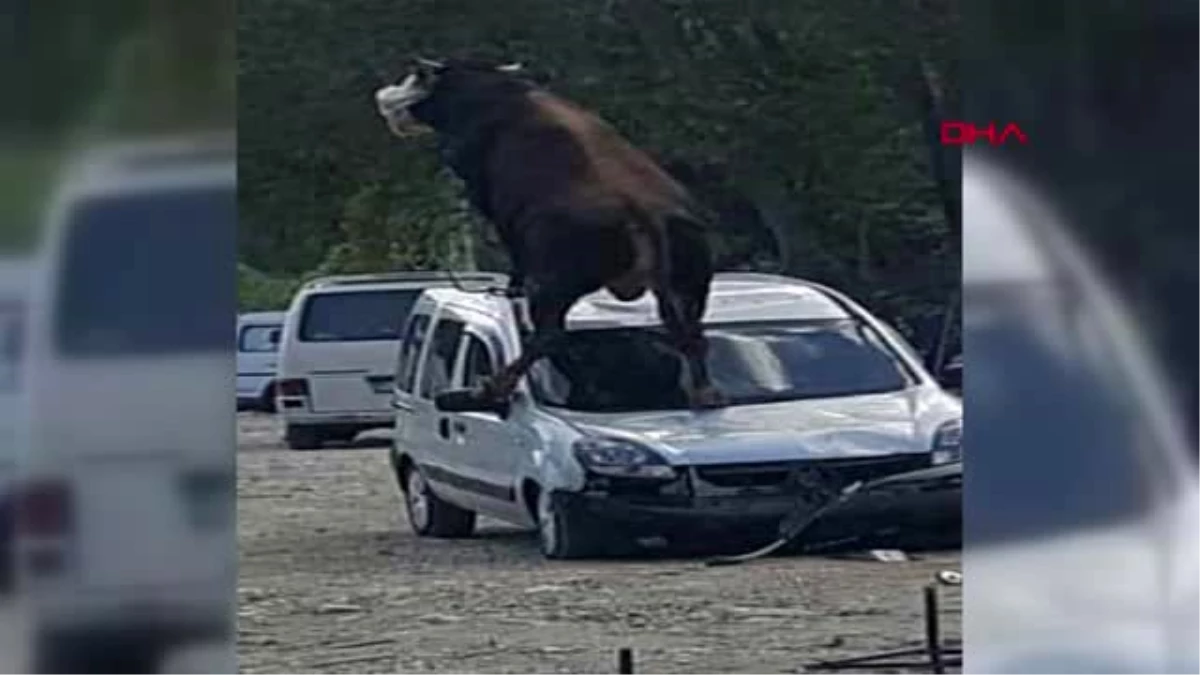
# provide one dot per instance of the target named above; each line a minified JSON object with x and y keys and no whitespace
{"x":548,"y":307}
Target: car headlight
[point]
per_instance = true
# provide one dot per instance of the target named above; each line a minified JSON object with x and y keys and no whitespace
{"x":947,"y":443}
{"x":621,"y":458}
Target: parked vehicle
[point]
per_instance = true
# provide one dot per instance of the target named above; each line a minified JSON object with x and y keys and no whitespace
{"x":257,"y":349}
{"x":14,"y":291}
{"x":125,"y":543}
{"x":1085,"y":456}
{"x":599,"y":440}
{"x":338,"y":350}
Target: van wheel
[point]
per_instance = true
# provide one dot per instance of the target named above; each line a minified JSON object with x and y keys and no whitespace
{"x":303,"y":437}
{"x":266,"y":402}
{"x":562,"y":534}
{"x":430,"y":515}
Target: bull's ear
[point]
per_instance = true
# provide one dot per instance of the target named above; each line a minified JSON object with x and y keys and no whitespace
{"x":510,"y":67}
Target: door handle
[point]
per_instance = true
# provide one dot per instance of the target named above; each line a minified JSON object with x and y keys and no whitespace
{"x":444,"y":428}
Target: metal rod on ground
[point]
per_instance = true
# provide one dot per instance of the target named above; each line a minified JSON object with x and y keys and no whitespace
{"x":792,"y":532}
{"x":932,"y":630}
{"x":625,"y":661}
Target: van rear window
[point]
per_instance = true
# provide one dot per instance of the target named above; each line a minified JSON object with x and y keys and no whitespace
{"x":356,"y":316}
{"x":149,"y":273}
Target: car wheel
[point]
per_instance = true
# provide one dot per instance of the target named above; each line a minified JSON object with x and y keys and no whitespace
{"x":562,"y":534}
{"x":303,"y":438}
{"x":266,"y":402}
{"x":430,"y":515}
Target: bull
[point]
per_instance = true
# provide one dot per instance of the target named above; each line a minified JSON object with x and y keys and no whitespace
{"x":577,"y":207}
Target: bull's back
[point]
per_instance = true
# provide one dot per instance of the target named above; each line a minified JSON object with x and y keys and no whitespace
{"x":564,"y":152}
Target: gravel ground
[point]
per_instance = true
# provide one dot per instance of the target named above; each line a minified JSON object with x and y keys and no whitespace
{"x":332,"y":580}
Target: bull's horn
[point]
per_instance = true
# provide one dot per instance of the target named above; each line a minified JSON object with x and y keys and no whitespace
{"x":430,"y":63}
{"x":510,"y":67}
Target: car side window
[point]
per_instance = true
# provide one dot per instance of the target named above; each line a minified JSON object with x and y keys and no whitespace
{"x":410,"y":349}
{"x":259,"y":338}
{"x":439,"y":364}
{"x":478,"y":362}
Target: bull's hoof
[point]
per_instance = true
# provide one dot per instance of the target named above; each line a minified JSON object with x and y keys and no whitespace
{"x":707,"y":398}
{"x":495,"y":391}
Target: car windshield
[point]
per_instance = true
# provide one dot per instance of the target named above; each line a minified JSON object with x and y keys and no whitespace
{"x":355,"y":316}
{"x":632,"y":369}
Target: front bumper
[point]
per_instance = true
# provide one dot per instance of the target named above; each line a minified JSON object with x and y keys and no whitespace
{"x":913,"y":508}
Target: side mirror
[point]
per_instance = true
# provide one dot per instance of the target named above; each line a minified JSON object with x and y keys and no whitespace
{"x":950,"y":376}
{"x":465,"y":400}
{"x":273,"y":337}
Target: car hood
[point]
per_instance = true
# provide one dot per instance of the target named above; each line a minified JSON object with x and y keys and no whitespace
{"x":853,"y":426}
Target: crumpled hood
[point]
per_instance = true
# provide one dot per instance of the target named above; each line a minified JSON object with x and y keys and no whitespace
{"x":858,"y":426}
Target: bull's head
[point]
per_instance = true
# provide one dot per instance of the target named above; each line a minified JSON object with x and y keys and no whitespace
{"x":397,"y":103}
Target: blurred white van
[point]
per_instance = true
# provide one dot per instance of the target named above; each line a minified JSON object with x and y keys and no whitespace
{"x":125,"y":544}
{"x":257,"y":350}
{"x":338,"y":351}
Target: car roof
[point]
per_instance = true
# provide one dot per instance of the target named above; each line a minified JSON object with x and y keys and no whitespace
{"x":734,"y":298}
{"x":999,"y":233}
{"x":269,"y":317}
{"x":351,"y":283}
{"x":145,"y":164}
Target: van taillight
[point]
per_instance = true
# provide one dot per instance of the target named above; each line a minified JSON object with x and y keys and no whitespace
{"x":297,"y":387}
{"x":44,"y":509}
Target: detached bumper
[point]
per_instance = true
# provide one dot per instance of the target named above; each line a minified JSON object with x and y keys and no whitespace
{"x":919,"y":505}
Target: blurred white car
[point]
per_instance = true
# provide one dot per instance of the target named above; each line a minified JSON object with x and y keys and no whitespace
{"x":1083,"y":523}
{"x":125,"y":542}
{"x":599,"y":441}
{"x":257,"y":353}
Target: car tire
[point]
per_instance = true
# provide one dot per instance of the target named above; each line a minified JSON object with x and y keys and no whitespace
{"x":303,"y":437}
{"x":430,"y":515}
{"x":266,"y":402}
{"x":563,"y":534}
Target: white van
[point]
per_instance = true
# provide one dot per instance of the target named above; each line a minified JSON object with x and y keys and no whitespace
{"x":338,"y":351}
{"x":125,"y":545}
{"x":257,"y":350}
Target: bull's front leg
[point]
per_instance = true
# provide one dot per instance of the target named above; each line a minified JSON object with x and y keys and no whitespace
{"x":548,"y":307}
{"x":681,"y":316}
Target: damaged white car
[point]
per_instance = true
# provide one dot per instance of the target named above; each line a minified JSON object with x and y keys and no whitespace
{"x":598,"y":446}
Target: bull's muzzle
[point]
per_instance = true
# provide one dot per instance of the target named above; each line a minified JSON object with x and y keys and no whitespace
{"x":393,"y":103}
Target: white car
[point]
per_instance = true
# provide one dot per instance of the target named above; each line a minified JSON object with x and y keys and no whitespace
{"x":258,"y":336}
{"x":338,"y":349}
{"x":598,"y":440}
{"x":125,"y":545}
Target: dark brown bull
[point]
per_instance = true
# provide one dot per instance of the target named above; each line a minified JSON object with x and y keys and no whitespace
{"x":577,"y":207}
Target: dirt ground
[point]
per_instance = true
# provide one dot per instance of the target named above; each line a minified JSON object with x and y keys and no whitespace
{"x":332,"y":580}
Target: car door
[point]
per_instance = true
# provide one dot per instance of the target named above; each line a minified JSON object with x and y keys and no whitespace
{"x":406,"y":426}
{"x":436,"y":433}
{"x":492,"y":446}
